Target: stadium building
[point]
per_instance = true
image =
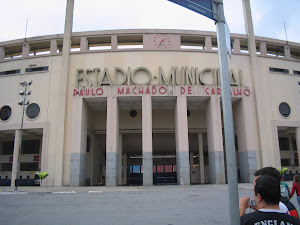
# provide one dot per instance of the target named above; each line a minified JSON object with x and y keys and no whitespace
{"x":143,"y":107}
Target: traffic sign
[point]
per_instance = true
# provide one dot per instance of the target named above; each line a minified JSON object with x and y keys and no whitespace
{"x":203,"y":7}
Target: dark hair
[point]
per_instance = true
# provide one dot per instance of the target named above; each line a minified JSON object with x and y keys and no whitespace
{"x":270,"y":171}
{"x":269,"y":189}
{"x":297,"y":178}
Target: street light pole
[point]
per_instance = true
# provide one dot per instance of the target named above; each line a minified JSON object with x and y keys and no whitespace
{"x":25,"y":93}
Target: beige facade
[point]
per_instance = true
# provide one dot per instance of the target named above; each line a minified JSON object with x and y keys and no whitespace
{"x":132,"y":107}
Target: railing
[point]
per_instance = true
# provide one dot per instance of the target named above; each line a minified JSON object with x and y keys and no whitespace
{"x":141,"y":40}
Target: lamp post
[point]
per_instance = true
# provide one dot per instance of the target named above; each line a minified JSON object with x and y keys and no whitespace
{"x":24,"y":94}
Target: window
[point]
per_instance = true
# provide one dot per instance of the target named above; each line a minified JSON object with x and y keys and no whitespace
{"x":29,"y":166}
{"x":160,"y":169}
{"x":284,"y":109}
{"x":7,"y":148}
{"x":296,"y":162}
{"x":32,"y":111}
{"x":130,"y":41}
{"x":278,"y":70}
{"x":192,"y":42}
{"x":296,"y":72}
{"x":5,"y":113}
{"x":36,"y":69}
{"x":294,"y":144}
{"x":9,"y":72}
{"x":168,"y":168}
{"x":154,"y":169}
{"x":135,"y":169}
{"x":31,"y":147}
{"x":285,"y":162}
{"x":6,"y":167}
{"x":284,"y":144}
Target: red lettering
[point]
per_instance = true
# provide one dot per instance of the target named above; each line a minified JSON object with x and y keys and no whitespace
{"x":75,"y":92}
{"x":99,"y":91}
{"x":247,"y":92}
{"x":213,"y":91}
{"x":189,"y":90}
{"x":147,"y":90}
{"x":133,"y":90}
{"x":206,"y":91}
{"x":239,"y":91}
{"x":182,"y":89}
{"x":154,"y":90}
{"x":141,"y":91}
{"x":164,"y":90}
{"x":120,"y":91}
{"x":81,"y":93}
{"x":87,"y":92}
{"x":235,"y":92}
{"x":128,"y":91}
{"x":93,"y":93}
{"x":11,"y":158}
{"x":218,"y":91}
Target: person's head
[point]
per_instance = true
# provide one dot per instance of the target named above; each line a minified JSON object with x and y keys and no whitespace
{"x":270,"y":171}
{"x":267,"y":191}
{"x":297,"y":178}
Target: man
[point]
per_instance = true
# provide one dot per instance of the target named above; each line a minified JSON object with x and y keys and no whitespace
{"x":285,"y":205}
{"x":266,"y":197}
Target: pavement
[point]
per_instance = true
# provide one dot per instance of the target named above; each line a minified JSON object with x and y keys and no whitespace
{"x":91,"y":189}
{"x":121,"y":205}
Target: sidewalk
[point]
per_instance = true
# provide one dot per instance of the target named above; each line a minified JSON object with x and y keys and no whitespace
{"x":87,"y":189}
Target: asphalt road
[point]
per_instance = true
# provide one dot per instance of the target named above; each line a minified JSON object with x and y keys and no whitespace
{"x":173,"y":205}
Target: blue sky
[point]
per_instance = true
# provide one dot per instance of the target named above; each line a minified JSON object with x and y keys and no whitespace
{"x":47,"y":17}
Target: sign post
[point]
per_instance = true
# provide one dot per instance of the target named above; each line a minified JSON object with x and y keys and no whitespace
{"x":214,"y":10}
{"x":228,"y":119}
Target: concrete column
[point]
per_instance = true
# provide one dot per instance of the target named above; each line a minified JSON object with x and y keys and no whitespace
{"x":287,"y":52}
{"x":208,"y":43}
{"x":15,"y":157}
{"x":25,"y":50}
{"x":78,"y":143}
{"x":298,"y":142}
{"x":114,"y":42}
{"x":120,"y":160}
{"x":262,"y":99}
{"x":201,"y":158}
{"x":236,"y":45}
{"x":84,"y":44}
{"x":125,"y":168}
{"x":276,"y":151}
{"x":62,"y":117}
{"x":147,"y":140}
{"x":244,"y":115}
{"x":112,"y":142}
{"x":215,"y":141}
{"x":182,"y":141}
{"x":2,"y":53}
{"x":263,"y":48}
{"x":53,"y":47}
